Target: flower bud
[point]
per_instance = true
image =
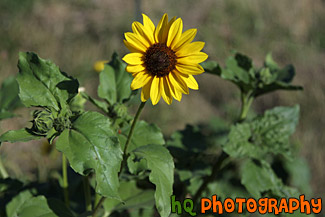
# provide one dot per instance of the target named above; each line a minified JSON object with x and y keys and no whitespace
{"x":43,"y":122}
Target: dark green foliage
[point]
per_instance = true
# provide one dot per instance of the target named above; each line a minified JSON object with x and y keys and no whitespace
{"x":249,"y":158}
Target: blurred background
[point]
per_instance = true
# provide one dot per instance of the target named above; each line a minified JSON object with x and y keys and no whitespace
{"x":76,"y":33}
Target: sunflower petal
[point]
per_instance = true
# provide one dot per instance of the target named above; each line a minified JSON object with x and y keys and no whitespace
{"x":177,"y":82}
{"x":135,"y":41}
{"x":190,"y":69}
{"x":145,"y":92}
{"x":166,"y":92}
{"x":190,"y":48}
{"x":175,"y":32}
{"x":155,"y":93}
{"x":148,"y":24}
{"x":132,"y":47}
{"x":193,"y":58}
{"x":190,"y":81}
{"x":161,"y":28}
{"x":133,"y":58}
{"x":141,"y":79}
{"x":186,"y":38}
{"x":143,"y":33}
{"x":166,"y":30}
{"x":134,"y":68}
{"x":176,"y":93}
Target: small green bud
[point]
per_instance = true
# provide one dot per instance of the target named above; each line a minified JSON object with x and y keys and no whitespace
{"x":120,"y":110}
{"x":42,"y":122}
{"x":63,"y":121}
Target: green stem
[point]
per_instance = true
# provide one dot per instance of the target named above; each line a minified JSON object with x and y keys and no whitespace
{"x":87,"y":193}
{"x":215,"y":169}
{"x":125,"y":154}
{"x":246,"y":100}
{"x":65,"y":180}
{"x":97,"y":198}
{"x":3,"y":170}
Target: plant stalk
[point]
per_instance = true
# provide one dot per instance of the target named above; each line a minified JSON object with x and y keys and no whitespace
{"x":65,"y":181}
{"x":125,"y":154}
{"x":246,"y":100}
{"x":215,"y":169}
{"x":87,"y":193}
{"x":3,"y":170}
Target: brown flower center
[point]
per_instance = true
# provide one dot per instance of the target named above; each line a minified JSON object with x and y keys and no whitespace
{"x":160,"y":60}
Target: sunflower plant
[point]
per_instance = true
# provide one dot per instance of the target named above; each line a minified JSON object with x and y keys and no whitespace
{"x":119,"y":165}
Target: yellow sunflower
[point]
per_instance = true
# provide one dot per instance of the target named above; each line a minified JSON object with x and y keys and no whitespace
{"x":163,"y":59}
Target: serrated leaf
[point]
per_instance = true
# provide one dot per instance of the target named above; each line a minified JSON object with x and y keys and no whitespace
{"x":277,"y":85}
{"x":59,"y":208}
{"x":211,"y":67}
{"x":143,"y":134}
{"x":41,"y":83}
{"x":91,"y":144}
{"x":191,"y":150}
{"x":160,"y":163}
{"x":269,"y":133}
{"x":22,"y":135}
{"x":270,"y":63}
{"x":114,"y":82}
{"x":239,"y":70}
{"x":132,"y":197}
{"x":299,"y":174}
{"x":36,"y":207}
{"x":9,"y":99}
{"x":234,"y":72}
{"x":243,"y":61}
{"x":14,"y":205}
{"x":100,"y":104}
{"x":258,"y":177}
{"x":40,"y":207}
{"x":281,"y":78}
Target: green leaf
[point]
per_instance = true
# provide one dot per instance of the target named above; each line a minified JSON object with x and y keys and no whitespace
{"x":211,"y":67}
{"x":279,"y":79}
{"x":14,"y":205}
{"x":243,"y":61}
{"x":239,"y":70}
{"x":269,"y":133}
{"x":59,"y":208}
{"x":299,"y":174}
{"x":91,"y":145}
{"x":41,"y":83}
{"x":99,"y":104}
{"x":235,"y":72}
{"x":143,"y":134}
{"x":132,"y":197}
{"x":40,"y":207}
{"x":9,"y":99}
{"x":35,"y":207}
{"x":258,"y":177}
{"x":114,"y":82}
{"x":277,"y":85}
{"x":160,"y":163}
{"x":270,"y":63}
{"x":22,"y":135}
